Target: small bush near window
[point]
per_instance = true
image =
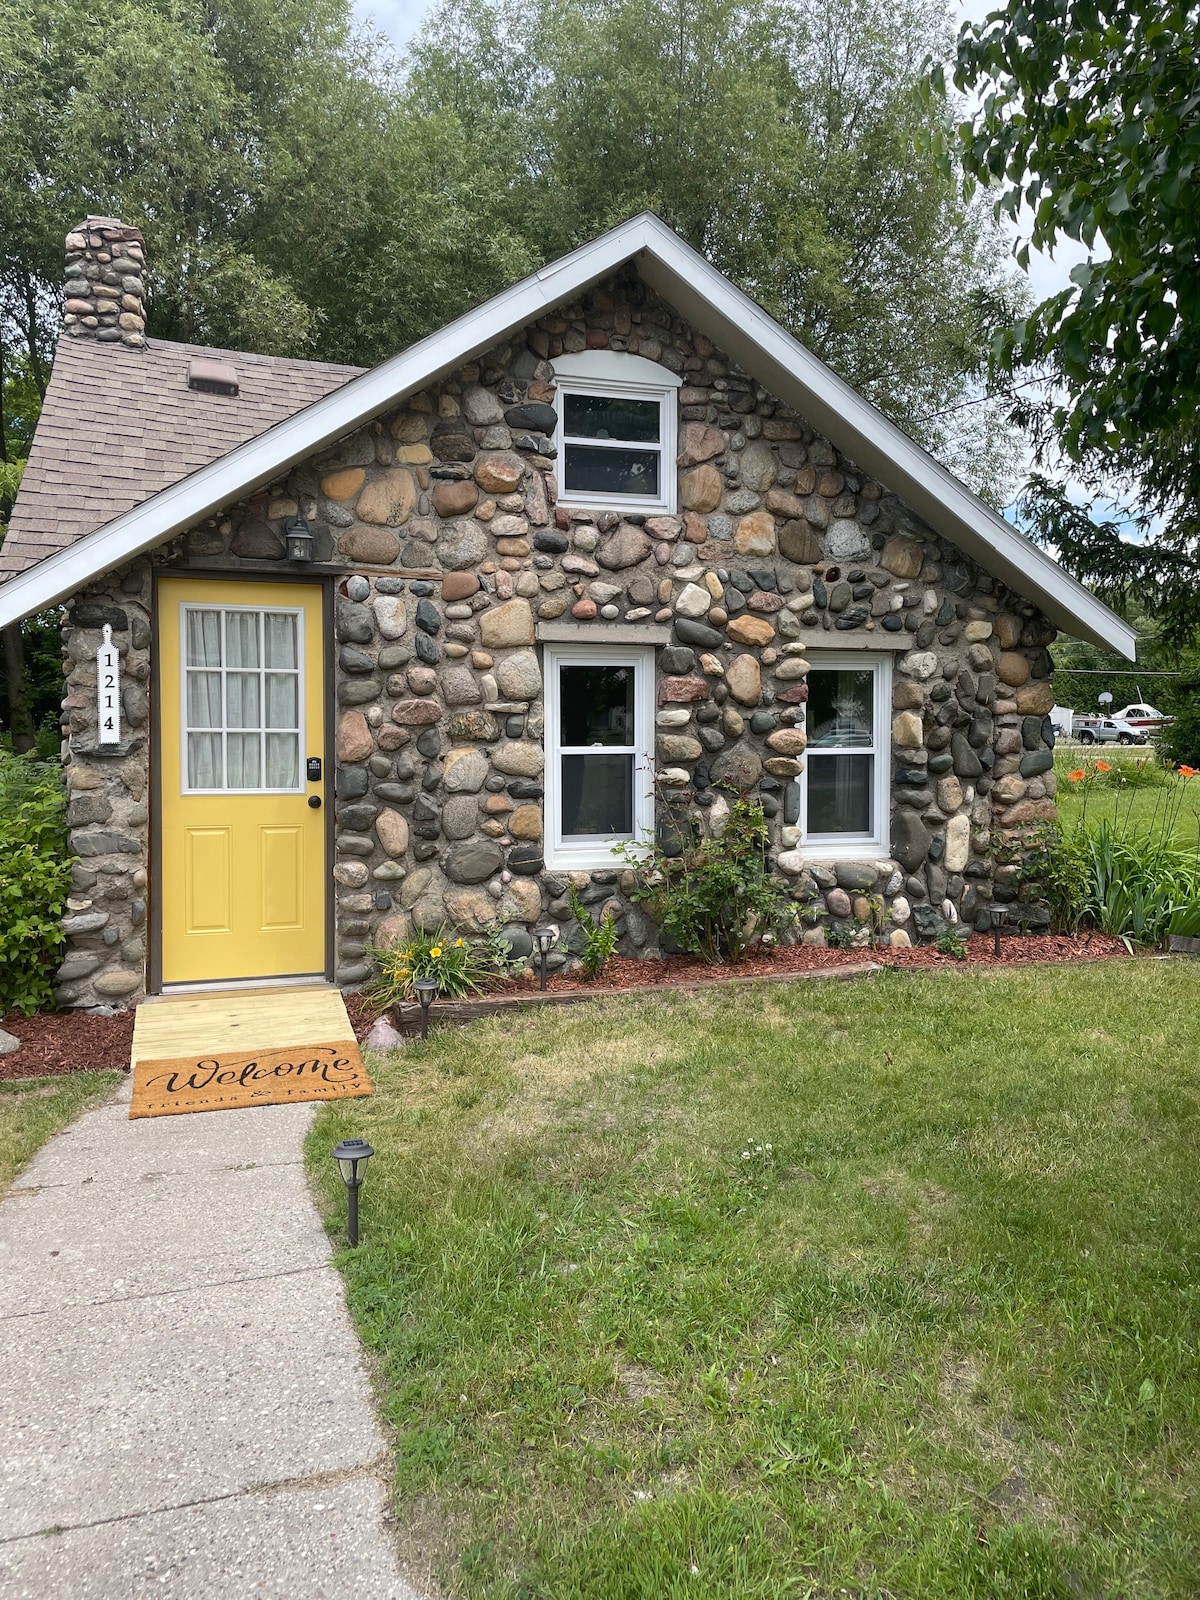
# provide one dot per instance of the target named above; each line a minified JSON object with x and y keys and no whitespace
{"x":35,"y":873}
{"x":600,"y":938}
{"x":716,"y":898}
{"x":458,"y":966}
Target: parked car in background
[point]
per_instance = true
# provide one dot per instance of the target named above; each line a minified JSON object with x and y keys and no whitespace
{"x":1106,"y":730}
{"x":1143,"y":717}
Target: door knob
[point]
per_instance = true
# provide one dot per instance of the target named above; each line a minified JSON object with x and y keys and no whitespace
{"x":314,"y":801}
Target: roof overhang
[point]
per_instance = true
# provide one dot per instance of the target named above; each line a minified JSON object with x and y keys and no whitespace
{"x":711,"y":303}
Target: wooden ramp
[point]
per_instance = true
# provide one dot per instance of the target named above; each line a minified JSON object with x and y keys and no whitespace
{"x":252,"y":1047}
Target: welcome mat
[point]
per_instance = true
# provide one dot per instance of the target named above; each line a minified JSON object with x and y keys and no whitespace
{"x":221,"y":1052}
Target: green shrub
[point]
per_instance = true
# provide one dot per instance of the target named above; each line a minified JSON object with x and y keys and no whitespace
{"x":1179,"y":742}
{"x":458,"y":966}
{"x":1134,"y":882}
{"x":716,"y":898}
{"x":599,"y":938}
{"x":35,"y":873}
{"x":951,"y":943}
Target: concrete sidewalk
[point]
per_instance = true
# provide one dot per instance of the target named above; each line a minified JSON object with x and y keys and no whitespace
{"x":183,"y":1407}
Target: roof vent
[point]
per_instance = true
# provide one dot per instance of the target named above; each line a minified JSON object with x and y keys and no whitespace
{"x":212,"y":377}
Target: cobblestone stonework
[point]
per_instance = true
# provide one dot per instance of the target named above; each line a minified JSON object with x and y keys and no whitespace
{"x":104,"y":294}
{"x":442,"y":527}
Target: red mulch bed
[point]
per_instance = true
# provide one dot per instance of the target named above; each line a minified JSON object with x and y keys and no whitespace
{"x":54,"y":1043}
{"x":1016,"y":950}
{"x":57,"y":1042}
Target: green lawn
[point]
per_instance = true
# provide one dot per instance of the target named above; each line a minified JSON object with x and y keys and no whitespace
{"x":1173,"y":801}
{"x":884,"y":1289}
{"x":31,"y":1109}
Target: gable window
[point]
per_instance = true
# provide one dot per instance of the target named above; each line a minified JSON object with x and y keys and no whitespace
{"x":617,"y":431}
{"x":846,"y":780}
{"x":599,"y":738}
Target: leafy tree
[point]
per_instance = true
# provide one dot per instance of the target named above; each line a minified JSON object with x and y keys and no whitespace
{"x":1089,"y":126}
{"x":786,"y":141}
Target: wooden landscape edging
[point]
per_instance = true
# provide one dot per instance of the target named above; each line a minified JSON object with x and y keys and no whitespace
{"x":407,"y":1016}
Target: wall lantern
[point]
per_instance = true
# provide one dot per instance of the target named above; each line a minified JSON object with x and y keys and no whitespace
{"x":999,"y":920}
{"x":544,"y":938}
{"x":299,"y":540}
{"x":352,"y":1156}
{"x":426,"y":989}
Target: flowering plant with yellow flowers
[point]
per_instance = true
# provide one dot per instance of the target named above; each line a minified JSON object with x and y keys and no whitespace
{"x":457,"y":965}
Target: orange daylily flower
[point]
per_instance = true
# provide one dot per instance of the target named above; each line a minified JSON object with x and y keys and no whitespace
{"x":1103,"y":766}
{"x":1076,"y":776}
{"x":1187,"y":772}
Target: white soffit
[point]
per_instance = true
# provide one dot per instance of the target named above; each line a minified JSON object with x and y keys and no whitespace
{"x":709,"y":301}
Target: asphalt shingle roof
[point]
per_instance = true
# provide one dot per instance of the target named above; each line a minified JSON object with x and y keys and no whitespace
{"x":120,"y":424}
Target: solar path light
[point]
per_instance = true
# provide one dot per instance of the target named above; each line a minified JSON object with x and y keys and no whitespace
{"x":352,"y":1156}
{"x":426,"y":989}
{"x":544,"y":938}
{"x":999,"y":920}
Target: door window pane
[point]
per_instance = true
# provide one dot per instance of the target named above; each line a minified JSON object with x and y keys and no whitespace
{"x":841,"y":708}
{"x":283,"y":760}
{"x":203,"y":638}
{"x":241,"y":760}
{"x":241,"y":700}
{"x":241,"y":638}
{"x":598,"y":416}
{"x":204,"y":761}
{"x":597,"y":795}
{"x":204,"y":699}
{"x":596,"y":705}
{"x":281,"y":700}
{"x":280,"y":633}
{"x":592,"y":470}
{"x":840,"y":790}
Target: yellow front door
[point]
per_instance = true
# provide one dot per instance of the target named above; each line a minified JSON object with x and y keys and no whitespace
{"x":242,"y":865}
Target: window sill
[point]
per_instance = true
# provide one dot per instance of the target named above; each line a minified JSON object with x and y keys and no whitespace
{"x":617,"y":503}
{"x":589,"y":858}
{"x":843,"y":849}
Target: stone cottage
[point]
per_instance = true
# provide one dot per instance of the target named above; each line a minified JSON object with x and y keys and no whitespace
{"x":348,"y":652}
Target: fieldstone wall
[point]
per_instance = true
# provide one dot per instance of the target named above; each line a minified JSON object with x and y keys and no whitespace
{"x":443,"y":525}
{"x":108,"y":796}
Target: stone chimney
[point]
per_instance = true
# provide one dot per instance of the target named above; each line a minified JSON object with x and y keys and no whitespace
{"x":105,"y":291}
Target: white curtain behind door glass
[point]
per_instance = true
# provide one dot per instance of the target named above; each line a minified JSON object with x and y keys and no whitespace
{"x":203,"y":638}
{"x":204,"y":761}
{"x":280,"y":631}
{"x":282,"y":760}
{"x":230,"y":700}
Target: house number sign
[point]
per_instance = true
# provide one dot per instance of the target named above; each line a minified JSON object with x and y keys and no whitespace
{"x":108,"y":690}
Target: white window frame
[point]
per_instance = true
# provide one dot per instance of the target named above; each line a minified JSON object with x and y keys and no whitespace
{"x":584,"y":852}
{"x":621,"y":376}
{"x":186,"y":606}
{"x":839,"y":846}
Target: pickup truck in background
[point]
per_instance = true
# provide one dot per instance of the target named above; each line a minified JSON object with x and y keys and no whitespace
{"x":1106,"y":730}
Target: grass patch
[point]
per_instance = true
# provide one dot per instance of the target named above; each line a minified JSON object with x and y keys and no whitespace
{"x":884,"y":1288}
{"x":1139,"y":792}
{"x":31,"y":1109}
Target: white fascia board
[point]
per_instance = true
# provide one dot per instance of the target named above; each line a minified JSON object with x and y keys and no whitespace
{"x":785,"y":367}
{"x":710,"y":302}
{"x":263,"y":458}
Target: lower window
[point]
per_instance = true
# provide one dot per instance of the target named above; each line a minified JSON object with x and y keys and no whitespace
{"x":599,"y":742}
{"x":844,"y":789}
